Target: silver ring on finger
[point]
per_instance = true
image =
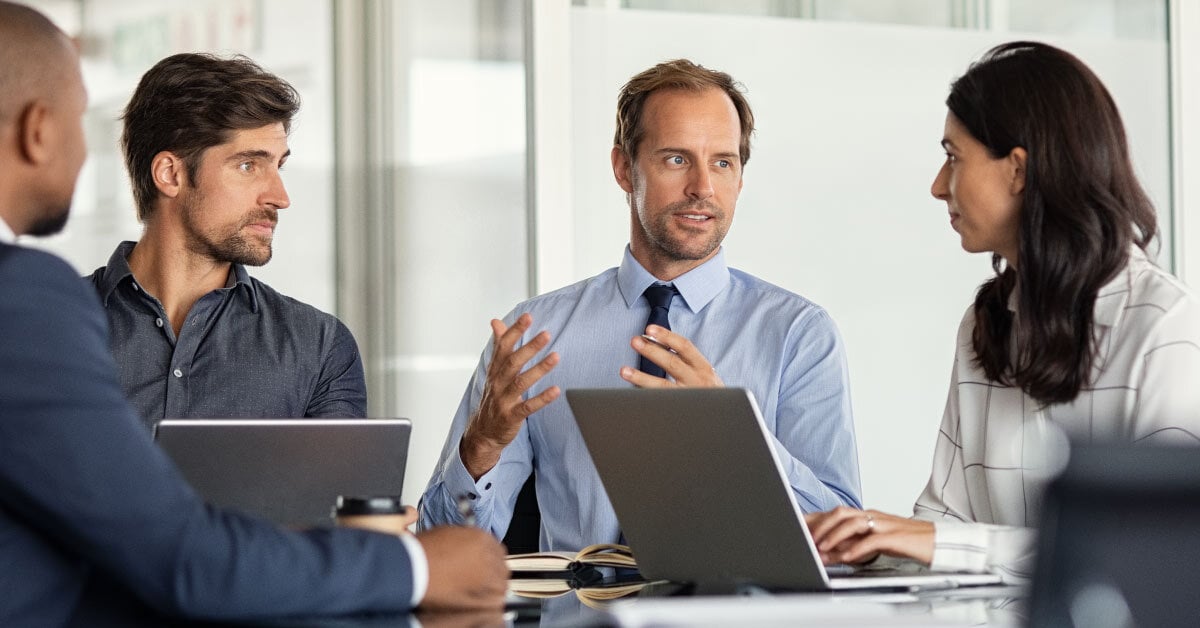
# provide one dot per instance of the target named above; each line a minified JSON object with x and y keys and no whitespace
{"x":870,"y":524}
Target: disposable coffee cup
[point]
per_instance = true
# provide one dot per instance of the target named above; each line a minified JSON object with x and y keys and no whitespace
{"x":380,"y":513}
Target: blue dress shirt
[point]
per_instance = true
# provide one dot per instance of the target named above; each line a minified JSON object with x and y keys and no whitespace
{"x":758,"y":336}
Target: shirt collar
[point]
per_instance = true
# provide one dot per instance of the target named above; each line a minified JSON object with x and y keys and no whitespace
{"x":117,"y":270}
{"x":698,"y":286}
{"x":6,"y":233}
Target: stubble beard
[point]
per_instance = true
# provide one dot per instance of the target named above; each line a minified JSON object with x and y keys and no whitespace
{"x":231,"y":246}
{"x":658,"y":232}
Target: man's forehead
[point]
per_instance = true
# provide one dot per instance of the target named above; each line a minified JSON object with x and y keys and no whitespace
{"x":271,"y":138}
{"x":683,"y":114}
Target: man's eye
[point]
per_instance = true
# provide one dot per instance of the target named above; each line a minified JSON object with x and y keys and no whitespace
{"x":246,"y":166}
{"x":675,"y":160}
{"x":723,"y":163}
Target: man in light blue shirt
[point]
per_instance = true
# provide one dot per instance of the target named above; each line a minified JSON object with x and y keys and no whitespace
{"x":682,"y":139}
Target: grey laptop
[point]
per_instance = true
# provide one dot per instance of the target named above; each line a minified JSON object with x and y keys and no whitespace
{"x":289,"y":471}
{"x":702,"y":497}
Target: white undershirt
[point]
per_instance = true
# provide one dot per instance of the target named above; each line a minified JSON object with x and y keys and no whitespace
{"x":6,"y":233}
{"x":420,"y":567}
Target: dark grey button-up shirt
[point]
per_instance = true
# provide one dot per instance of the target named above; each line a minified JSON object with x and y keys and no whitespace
{"x":243,"y":351}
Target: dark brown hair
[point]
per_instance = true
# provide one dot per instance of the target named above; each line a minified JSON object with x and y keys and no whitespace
{"x":678,"y":74}
{"x":190,"y":102}
{"x":1082,"y":207}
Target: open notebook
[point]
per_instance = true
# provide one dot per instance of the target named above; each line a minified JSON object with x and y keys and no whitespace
{"x":702,"y":496}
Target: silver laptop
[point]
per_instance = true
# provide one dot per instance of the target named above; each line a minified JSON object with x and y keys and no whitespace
{"x":702,"y":497}
{"x":289,"y":471}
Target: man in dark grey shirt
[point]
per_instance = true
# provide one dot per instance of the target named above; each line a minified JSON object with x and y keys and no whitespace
{"x":193,"y":334}
{"x":244,"y":350}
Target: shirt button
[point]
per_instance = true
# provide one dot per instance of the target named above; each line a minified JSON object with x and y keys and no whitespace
{"x":178,"y":373}
{"x":158,"y":322}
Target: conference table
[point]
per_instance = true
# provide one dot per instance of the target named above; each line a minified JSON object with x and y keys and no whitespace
{"x":667,"y":606}
{"x":998,"y":606}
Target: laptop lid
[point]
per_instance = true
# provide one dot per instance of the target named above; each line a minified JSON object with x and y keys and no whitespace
{"x":289,"y":471}
{"x":702,"y":495}
{"x":1120,"y":539}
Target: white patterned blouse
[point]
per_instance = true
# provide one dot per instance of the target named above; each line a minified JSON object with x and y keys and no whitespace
{"x":996,"y":447}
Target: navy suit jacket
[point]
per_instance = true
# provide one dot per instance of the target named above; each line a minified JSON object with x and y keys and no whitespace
{"x":86,"y":496}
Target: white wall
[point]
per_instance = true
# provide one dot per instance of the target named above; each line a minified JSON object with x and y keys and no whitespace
{"x":836,"y":203}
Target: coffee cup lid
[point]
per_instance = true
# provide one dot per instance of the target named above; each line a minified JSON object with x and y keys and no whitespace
{"x":371,"y":505}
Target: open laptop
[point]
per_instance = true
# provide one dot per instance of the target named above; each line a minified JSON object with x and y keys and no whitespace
{"x":702,"y":497}
{"x":289,"y":471}
{"x":1120,"y":539}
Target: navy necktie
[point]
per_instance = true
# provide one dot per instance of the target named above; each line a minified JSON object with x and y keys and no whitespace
{"x":659,"y":296}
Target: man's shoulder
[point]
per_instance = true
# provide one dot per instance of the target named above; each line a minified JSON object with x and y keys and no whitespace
{"x":41,"y":289}
{"x":766,"y":295}
{"x":290,"y":310}
{"x":571,"y":293}
{"x":23,"y":265}
{"x":97,"y":276}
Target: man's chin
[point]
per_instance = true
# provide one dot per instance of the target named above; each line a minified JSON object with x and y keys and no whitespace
{"x":690,"y":252}
{"x":251,"y":258}
{"x":258,"y":261}
{"x":49,"y":225}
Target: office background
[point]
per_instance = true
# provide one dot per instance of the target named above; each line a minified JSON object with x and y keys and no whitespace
{"x":451,"y":159}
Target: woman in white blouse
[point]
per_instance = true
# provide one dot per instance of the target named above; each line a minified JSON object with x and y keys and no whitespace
{"x":1077,"y":333}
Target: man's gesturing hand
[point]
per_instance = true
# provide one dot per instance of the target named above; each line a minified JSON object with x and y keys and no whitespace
{"x":502,"y":409}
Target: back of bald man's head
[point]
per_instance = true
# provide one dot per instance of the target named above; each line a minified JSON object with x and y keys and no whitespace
{"x":33,"y":58}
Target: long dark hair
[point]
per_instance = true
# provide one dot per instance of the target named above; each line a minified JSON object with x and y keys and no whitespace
{"x":1082,"y":207}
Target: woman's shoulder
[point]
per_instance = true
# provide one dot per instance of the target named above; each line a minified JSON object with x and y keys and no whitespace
{"x":1153,"y":288}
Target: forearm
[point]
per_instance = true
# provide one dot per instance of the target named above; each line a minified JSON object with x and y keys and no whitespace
{"x":478,"y":453}
{"x":817,"y":494}
{"x":1008,"y":551}
{"x":814,"y":422}
{"x":491,"y":497}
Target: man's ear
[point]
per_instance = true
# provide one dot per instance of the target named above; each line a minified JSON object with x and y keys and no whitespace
{"x":169,"y":173}
{"x":34,"y":133}
{"x":622,"y":169}
{"x":1018,"y":158}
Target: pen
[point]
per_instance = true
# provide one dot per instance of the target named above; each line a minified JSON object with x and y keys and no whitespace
{"x":466,"y":510}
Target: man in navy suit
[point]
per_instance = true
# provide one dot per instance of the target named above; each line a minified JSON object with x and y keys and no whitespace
{"x":87,"y":501}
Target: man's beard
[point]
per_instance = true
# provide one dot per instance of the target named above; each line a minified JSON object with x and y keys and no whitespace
{"x":232,"y":246}
{"x":658,"y":232}
{"x":51,"y":224}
